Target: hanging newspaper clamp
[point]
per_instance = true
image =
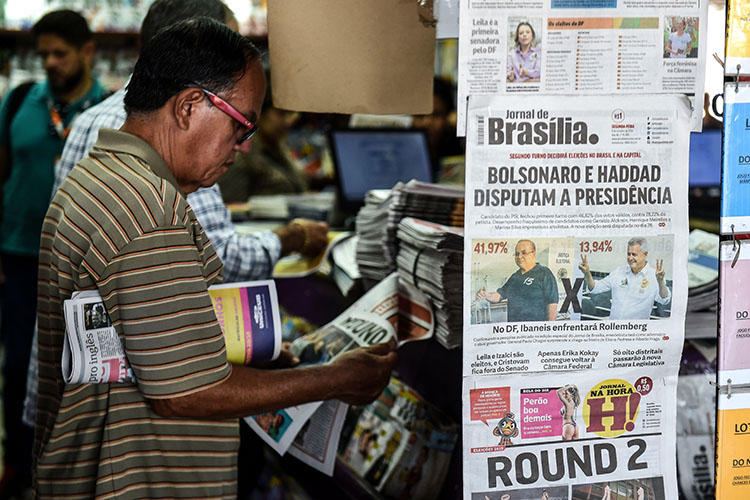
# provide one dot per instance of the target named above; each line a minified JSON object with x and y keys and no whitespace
{"x":736,"y":245}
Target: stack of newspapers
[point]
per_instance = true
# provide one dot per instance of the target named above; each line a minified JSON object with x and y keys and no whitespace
{"x":370,"y":227}
{"x":381,"y":214}
{"x":703,"y":271}
{"x":399,"y":445}
{"x":430,"y":257}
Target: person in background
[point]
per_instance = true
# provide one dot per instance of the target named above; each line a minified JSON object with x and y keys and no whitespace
{"x":31,"y":139}
{"x":440,"y":125}
{"x":267,"y":168}
{"x":192,"y":102}
{"x":245,"y":257}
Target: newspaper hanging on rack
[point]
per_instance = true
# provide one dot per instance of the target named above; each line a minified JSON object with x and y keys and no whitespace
{"x":599,"y":47}
{"x":575,"y":289}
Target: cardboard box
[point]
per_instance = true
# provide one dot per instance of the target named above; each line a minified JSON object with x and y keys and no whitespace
{"x":352,"y":56}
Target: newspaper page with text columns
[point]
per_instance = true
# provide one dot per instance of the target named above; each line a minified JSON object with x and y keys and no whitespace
{"x":576,"y":234}
{"x":576,"y":239}
{"x":602,"y":47}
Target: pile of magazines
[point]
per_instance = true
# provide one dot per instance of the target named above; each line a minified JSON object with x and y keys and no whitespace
{"x":381,"y":214}
{"x":703,"y":271}
{"x":430,"y":257}
{"x":399,"y":444}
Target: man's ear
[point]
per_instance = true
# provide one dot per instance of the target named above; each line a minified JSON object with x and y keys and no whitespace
{"x":87,"y":50}
{"x":185,"y":106}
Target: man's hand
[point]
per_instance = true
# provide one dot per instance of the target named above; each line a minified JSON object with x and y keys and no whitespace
{"x":305,"y":236}
{"x":368,"y":370}
{"x":584,"y":264}
{"x":584,"y":267}
{"x":663,"y":290}
{"x":485,"y":294}
{"x":660,"y":270}
{"x":285,"y":360}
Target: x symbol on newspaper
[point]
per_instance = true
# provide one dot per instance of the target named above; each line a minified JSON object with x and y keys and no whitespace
{"x":571,"y":295}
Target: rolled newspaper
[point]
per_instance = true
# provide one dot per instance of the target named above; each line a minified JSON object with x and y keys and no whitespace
{"x":92,"y":351}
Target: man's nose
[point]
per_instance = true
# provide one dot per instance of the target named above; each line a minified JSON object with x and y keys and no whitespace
{"x":50,"y":61}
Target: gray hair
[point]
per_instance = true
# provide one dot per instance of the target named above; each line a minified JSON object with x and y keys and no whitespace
{"x":640,"y":242}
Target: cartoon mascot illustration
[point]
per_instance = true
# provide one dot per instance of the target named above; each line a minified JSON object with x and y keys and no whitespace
{"x":507,"y":428}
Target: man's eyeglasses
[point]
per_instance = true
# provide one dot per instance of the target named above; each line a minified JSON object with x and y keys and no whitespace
{"x":524,"y":253}
{"x":231,"y":111}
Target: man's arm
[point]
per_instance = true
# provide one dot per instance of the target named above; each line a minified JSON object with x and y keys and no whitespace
{"x":584,"y":266}
{"x":551,"y":294}
{"x":660,"y":273}
{"x":485,"y":294}
{"x":251,"y":256}
{"x":307,"y":237}
{"x":552,"y":312}
{"x":355,"y":377}
{"x":155,"y":291}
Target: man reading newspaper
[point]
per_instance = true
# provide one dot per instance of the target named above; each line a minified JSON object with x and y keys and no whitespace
{"x":120,"y":224}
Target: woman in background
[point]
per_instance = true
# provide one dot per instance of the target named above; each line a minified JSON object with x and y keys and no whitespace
{"x":525,"y":58}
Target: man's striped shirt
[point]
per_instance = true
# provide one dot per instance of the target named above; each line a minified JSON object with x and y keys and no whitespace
{"x":120,"y":224}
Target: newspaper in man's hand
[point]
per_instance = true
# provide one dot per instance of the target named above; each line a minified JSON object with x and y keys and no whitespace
{"x":391,"y":310}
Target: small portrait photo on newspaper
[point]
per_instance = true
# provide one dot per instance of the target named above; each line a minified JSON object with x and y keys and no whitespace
{"x":95,"y":316}
{"x":519,"y":279}
{"x":524,"y":50}
{"x":274,"y":423}
{"x":680,"y":37}
{"x":637,"y":489}
{"x":624,"y":278}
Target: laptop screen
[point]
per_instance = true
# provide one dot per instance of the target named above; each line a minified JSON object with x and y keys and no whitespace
{"x":705,"y":158}
{"x":377,"y":159}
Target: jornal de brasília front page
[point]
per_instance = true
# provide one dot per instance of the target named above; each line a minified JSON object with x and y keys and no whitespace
{"x":575,"y":289}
